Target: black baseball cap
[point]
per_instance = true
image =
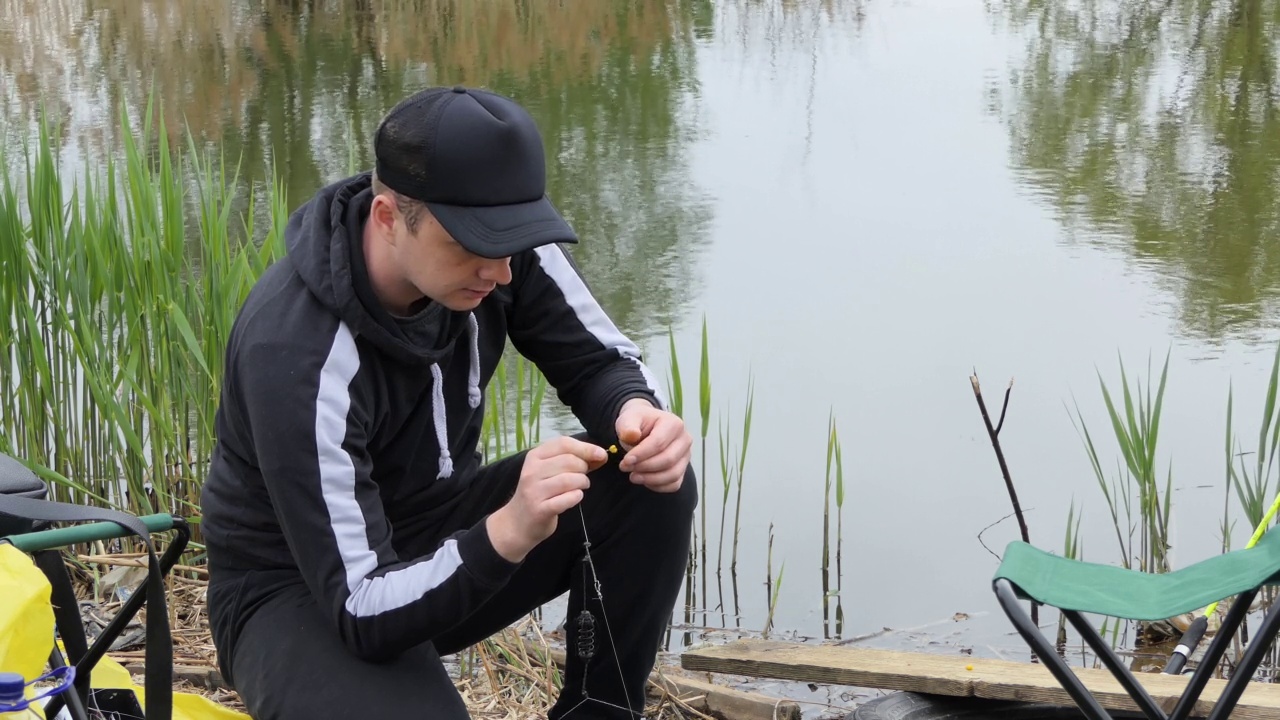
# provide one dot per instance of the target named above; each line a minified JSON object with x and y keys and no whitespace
{"x":475,"y":159}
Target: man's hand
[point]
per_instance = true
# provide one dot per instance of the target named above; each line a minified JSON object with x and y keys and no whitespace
{"x":552,"y":480}
{"x":658,"y":445}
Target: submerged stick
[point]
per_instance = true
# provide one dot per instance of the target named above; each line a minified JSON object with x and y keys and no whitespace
{"x":993,"y":431}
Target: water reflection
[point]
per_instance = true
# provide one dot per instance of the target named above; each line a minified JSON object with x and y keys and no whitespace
{"x":301,"y":84}
{"x":1155,"y":123}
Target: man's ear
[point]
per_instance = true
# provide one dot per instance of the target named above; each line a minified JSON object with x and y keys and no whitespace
{"x":382,"y":217}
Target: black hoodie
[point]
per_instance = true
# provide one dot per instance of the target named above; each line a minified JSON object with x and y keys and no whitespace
{"x":339,"y":424}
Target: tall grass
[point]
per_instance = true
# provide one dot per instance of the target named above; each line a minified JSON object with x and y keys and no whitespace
{"x":118,"y":296}
{"x":732,"y":467}
{"x":514,"y":412}
{"x":1137,"y":484}
{"x":737,"y":505}
{"x":704,"y":407}
{"x":835,"y":461}
{"x":1254,"y":490}
{"x":1136,"y":432}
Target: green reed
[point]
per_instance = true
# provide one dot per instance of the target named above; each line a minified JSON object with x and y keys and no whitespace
{"x":737,"y":508}
{"x":1073,"y":550}
{"x":1136,"y":427}
{"x":772,"y":586}
{"x":731,"y":470}
{"x":513,"y":413}
{"x":1254,"y":490}
{"x":835,"y":461}
{"x":675,"y":390}
{"x":1136,"y":432}
{"x":120,"y":292}
{"x":704,"y":407}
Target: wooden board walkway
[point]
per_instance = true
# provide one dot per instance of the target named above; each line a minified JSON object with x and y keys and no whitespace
{"x":950,"y":675}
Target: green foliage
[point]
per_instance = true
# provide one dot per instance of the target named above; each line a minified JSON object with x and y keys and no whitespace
{"x":121,"y":294}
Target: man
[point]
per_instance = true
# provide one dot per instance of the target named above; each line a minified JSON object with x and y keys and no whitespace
{"x":353,"y":536}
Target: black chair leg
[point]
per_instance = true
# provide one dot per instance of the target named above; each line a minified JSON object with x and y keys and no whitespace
{"x":1122,"y":674}
{"x":70,"y":698}
{"x":1085,"y":700}
{"x":66,"y":613}
{"x":1217,"y":648}
{"x":1252,"y":658}
{"x":86,"y":659}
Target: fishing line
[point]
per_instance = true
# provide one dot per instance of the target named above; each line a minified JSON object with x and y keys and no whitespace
{"x":586,"y":645}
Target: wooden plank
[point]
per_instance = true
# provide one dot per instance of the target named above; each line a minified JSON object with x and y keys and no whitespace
{"x":717,"y":701}
{"x":950,"y":675}
{"x":725,"y":703}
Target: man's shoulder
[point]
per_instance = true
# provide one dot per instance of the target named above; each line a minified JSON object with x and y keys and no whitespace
{"x":280,"y":312}
{"x":553,"y":260}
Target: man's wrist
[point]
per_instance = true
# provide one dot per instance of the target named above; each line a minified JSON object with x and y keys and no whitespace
{"x":639,"y":402}
{"x":504,"y":538}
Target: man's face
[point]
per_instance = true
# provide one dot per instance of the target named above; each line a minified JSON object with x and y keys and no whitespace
{"x":437,"y":266}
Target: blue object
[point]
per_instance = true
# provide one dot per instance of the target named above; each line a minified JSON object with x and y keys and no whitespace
{"x":13,"y":696}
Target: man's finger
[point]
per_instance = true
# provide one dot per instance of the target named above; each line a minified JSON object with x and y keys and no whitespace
{"x":662,"y":434}
{"x":563,"y":501}
{"x":590,"y":452}
{"x":673,"y":453}
{"x":663,"y":482}
{"x":562,"y":463}
{"x":567,"y":445}
{"x":561,"y":484}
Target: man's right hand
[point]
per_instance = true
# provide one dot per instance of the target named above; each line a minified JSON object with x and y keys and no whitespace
{"x":552,"y":480}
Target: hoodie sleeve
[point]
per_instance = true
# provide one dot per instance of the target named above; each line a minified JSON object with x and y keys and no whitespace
{"x":308,"y":420}
{"x":557,"y":323}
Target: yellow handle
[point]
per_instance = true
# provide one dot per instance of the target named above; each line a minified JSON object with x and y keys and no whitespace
{"x":1257,"y":535}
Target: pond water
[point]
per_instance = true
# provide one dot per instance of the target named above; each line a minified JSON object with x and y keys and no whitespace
{"x":867,"y":202}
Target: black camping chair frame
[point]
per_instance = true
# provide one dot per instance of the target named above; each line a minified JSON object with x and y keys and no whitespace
{"x":46,"y":547}
{"x":1006,"y":592}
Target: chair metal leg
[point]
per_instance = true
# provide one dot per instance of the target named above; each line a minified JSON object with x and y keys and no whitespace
{"x":69,"y":698}
{"x":1085,"y":700}
{"x":66,"y":613}
{"x":87,"y":659}
{"x":1212,"y":655}
{"x":1253,"y":654}
{"x":1122,"y":674}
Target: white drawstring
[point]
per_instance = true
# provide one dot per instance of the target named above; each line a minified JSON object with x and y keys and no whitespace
{"x":473,"y":377}
{"x":438,"y":416}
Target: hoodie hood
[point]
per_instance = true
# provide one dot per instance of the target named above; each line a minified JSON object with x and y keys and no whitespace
{"x":321,"y":238}
{"x":325,"y":239}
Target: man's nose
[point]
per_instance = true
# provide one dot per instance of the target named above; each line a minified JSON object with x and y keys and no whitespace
{"x":497,"y":271}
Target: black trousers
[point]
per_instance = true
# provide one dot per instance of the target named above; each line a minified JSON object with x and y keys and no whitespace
{"x":288,"y":663}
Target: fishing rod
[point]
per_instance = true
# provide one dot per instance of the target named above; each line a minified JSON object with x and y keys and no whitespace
{"x":1195,"y":633}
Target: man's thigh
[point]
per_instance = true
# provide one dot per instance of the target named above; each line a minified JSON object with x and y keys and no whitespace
{"x":290,"y":664}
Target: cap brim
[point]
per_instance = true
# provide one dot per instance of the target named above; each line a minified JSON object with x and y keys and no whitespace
{"x":498,"y":231}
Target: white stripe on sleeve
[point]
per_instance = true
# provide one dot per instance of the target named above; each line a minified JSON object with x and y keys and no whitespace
{"x":368,"y":596}
{"x":591,"y":315}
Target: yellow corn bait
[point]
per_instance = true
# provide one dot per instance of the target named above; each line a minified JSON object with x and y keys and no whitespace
{"x":613,"y":449}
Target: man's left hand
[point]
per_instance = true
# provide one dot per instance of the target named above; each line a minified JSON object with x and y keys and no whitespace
{"x":657,"y":443}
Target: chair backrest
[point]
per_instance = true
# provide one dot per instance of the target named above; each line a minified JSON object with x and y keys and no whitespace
{"x":18,"y":480}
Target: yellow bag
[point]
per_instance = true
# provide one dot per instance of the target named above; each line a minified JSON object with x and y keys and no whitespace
{"x":27,"y":637}
{"x":26,"y":617}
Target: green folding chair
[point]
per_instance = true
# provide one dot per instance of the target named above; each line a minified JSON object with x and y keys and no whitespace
{"x":44,"y":530}
{"x":1075,"y":587}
